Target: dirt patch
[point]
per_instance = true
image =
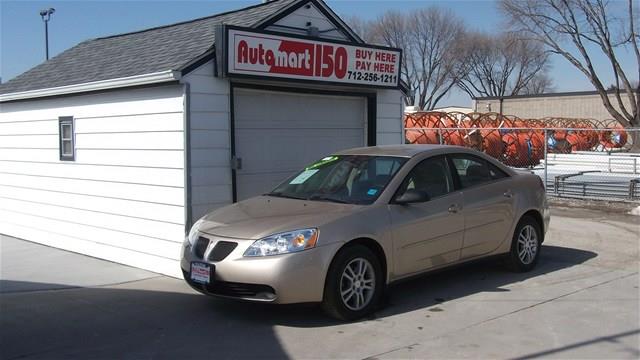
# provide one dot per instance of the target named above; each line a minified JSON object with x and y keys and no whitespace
{"x":615,"y":207}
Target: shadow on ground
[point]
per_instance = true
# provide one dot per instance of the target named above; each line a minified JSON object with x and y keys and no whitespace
{"x":423,"y":291}
{"x":130,"y":322}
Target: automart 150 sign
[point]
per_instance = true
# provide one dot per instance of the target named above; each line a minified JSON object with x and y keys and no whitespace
{"x":260,"y":54}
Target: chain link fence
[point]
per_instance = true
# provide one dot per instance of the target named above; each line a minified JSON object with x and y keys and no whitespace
{"x":578,"y":162}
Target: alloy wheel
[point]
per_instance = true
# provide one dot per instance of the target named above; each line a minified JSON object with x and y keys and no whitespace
{"x":527,"y":244}
{"x":357,"y":284}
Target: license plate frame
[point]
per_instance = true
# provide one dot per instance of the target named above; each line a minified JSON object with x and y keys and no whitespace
{"x":201,"y":272}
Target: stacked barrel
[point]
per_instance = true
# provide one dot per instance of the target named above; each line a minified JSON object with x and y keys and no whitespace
{"x":516,"y":142}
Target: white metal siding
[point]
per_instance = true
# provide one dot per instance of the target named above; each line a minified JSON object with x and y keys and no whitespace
{"x":210,"y":141}
{"x":123,"y":197}
{"x":389,"y":113}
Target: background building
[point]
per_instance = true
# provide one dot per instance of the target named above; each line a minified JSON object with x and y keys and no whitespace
{"x":584,"y":104}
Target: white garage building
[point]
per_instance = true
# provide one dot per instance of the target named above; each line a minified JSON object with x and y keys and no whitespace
{"x":115,"y":146}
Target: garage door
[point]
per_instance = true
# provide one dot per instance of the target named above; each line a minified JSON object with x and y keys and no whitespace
{"x":277,"y":133}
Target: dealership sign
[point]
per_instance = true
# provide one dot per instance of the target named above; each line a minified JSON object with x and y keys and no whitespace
{"x":264,"y":54}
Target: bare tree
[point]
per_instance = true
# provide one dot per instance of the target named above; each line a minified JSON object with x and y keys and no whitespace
{"x":503,"y":65}
{"x":430,"y":41}
{"x":392,"y":29}
{"x":541,"y":83}
{"x":579,"y":31}
{"x":364,"y":28}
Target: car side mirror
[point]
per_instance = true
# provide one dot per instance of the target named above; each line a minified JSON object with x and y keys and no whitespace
{"x":411,"y":196}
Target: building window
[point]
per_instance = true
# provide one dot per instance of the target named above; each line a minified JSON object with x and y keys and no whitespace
{"x":67,"y":138}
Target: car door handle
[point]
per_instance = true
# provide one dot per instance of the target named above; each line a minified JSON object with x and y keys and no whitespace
{"x":508,"y":194}
{"x":454,"y":208}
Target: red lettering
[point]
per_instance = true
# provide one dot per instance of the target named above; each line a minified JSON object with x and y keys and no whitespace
{"x":341,"y":62}
{"x":318,"y":63}
{"x":385,"y":57}
{"x":261,"y":54}
{"x":327,"y":60}
{"x":253,"y":55}
{"x":269,"y":58}
{"x":243,"y":52}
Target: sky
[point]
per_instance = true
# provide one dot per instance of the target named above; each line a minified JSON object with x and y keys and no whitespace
{"x":22,"y":29}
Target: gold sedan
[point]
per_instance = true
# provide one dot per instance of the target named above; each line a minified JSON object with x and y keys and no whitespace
{"x":343,"y":228}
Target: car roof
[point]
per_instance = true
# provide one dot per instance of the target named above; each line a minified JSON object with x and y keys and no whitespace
{"x":412,"y":150}
{"x":409,"y":150}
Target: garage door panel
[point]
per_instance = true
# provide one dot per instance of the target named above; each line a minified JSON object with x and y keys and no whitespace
{"x":281,"y":110}
{"x":259,"y":175}
{"x":276,"y":134}
{"x":290,"y":149}
{"x":249,"y":185}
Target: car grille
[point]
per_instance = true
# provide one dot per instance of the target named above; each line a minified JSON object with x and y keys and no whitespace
{"x":226,"y":288}
{"x":221,"y":250}
{"x":200,"y":247}
{"x":233,"y":289}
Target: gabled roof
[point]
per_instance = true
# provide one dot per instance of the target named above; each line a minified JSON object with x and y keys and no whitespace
{"x":155,"y":50}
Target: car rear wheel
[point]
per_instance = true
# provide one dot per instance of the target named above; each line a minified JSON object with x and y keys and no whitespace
{"x":525,"y":246}
{"x":354,"y":284}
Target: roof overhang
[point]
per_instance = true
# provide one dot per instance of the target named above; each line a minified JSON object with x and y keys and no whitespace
{"x":137,"y":80}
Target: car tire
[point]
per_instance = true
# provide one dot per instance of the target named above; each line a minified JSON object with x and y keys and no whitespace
{"x":525,"y":245}
{"x":362,"y":295}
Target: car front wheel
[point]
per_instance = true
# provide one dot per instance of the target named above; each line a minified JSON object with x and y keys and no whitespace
{"x":354,"y":284}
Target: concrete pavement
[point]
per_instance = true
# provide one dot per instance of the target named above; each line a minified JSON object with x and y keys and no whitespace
{"x":580,"y":302}
{"x":26,"y":266}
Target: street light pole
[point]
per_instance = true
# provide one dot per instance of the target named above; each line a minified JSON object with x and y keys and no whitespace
{"x":46,"y":16}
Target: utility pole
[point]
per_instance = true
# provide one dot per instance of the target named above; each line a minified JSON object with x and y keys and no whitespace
{"x":46,"y":16}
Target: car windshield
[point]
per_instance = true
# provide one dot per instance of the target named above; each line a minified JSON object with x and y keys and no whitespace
{"x":349,"y":179}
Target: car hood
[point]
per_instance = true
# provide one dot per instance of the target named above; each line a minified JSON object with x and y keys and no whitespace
{"x":262,"y":216}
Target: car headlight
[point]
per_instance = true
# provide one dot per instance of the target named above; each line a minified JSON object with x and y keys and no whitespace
{"x":193,"y":233}
{"x":284,"y":243}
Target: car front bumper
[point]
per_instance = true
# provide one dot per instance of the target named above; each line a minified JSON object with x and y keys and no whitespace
{"x":283,"y":279}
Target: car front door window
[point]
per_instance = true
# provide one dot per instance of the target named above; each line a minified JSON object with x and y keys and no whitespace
{"x":431,"y":176}
{"x":471,"y":170}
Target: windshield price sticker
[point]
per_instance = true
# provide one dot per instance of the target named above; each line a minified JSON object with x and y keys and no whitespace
{"x":304,"y":176}
{"x":254,"y":53}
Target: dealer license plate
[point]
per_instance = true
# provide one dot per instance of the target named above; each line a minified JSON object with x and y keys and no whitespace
{"x":201,"y":272}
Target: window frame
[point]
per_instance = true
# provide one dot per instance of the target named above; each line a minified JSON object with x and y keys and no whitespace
{"x":64,"y":121}
{"x":456,"y":177}
{"x":447,"y":163}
